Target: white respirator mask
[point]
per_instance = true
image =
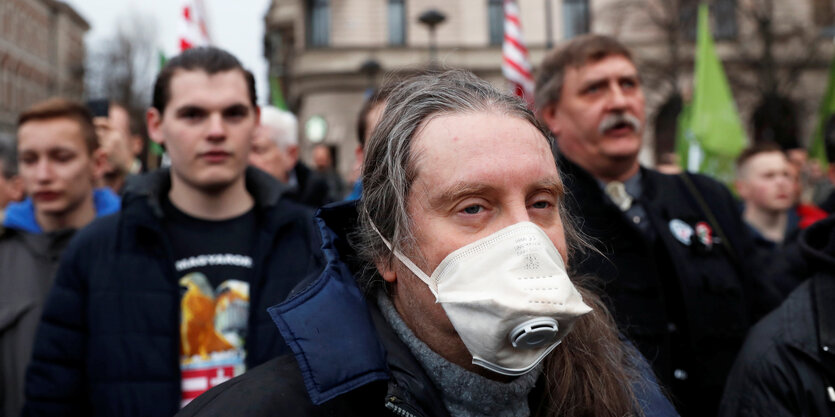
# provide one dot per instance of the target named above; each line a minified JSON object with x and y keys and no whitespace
{"x":508,"y":296}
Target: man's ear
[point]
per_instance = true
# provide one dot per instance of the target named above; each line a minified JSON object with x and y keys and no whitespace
{"x":550,"y":118}
{"x":293,"y":152}
{"x":136,"y":144}
{"x":100,"y":164}
{"x":15,"y":188}
{"x":741,"y":189}
{"x":386,"y":270}
{"x":831,"y":172}
{"x":154,"y":121}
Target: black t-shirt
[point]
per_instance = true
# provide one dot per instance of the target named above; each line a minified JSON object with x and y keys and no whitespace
{"x":213,"y":260}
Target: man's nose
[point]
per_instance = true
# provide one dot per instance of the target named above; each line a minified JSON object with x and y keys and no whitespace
{"x":217,"y":130}
{"x":43,"y":170}
{"x":517,"y":213}
{"x":617,"y":97}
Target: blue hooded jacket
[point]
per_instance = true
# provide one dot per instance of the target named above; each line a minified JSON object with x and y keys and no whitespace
{"x":21,"y":216}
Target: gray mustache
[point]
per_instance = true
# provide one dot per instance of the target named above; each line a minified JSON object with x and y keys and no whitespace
{"x":614,"y":119}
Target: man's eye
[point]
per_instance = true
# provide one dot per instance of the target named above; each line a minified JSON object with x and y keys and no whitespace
{"x":541,"y":205}
{"x":64,"y":156}
{"x":236,"y":112}
{"x":474,"y":209}
{"x":192,"y":114}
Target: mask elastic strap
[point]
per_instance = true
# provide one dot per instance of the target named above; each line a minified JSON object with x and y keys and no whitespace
{"x":408,"y":262}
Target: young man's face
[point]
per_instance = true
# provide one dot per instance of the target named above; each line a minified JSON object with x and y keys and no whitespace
{"x":766,"y":182}
{"x":57,"y":169}
{"x":592,"y":118}
{"x":207,"y":129}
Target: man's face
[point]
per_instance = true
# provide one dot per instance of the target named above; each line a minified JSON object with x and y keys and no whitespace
{"x":322,"y":158}
{"x":599,"y":118}
{"x":476,"y":174}
{"x":58,"y":171}
{"x":268,"y":156}
{"x":766,"y":182}
{"x":207,"y":129}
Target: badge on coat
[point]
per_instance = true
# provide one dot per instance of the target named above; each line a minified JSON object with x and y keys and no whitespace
{"x":681,"y":230}
{"x":705,"y":234}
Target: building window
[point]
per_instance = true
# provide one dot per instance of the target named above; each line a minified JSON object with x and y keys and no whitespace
{"x":495,"y":20}
{"x":397,"y":22}
{"x":722,"y":16}
{"x":318,"y":22}
{"x":575,"y":18}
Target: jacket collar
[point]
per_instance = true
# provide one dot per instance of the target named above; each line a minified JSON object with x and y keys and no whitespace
{"x":153,"y":187}
{"x":21,"y":216}
{"x":326,"y":320}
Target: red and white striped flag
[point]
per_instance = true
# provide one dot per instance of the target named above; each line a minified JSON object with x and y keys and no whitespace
{"x":193,"y":29}
{"x":516,"y":66}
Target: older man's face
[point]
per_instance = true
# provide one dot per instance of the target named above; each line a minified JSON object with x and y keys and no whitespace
{"x":600,"y":115}
{"x":268,"y":156}
{"x":476,"y":174}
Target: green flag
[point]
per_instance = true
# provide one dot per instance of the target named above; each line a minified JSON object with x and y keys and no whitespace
{"x":277,"y":95}
{"x":710,"y":132}
{"x":826,"y":109}
{"x":161,"y":58}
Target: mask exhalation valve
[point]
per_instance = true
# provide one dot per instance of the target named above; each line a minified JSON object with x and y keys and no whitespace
{"x":534,"y":333}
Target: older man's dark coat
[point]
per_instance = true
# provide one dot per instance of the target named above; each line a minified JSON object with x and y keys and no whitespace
{"x":686,"y":305}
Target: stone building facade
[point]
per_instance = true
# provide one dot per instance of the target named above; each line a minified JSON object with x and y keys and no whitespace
{"x":328,"y":53}
{"x":41,"y":55}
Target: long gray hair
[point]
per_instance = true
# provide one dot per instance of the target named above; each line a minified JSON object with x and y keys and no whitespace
{"x":592,"y":373}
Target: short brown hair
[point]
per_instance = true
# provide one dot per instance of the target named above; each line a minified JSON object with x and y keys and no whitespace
{"x":209,"y":59}
{"x":575,"y":53}
{"x":756,"y":149}
{"x":61,"y":108}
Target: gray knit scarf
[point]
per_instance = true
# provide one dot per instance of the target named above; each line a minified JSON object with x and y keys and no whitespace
{"x":465,"y":393}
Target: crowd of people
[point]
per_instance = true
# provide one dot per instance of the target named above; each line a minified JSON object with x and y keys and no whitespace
{"x":490,"y":260}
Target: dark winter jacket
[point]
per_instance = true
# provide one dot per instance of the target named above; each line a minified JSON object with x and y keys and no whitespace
{"x":109,"y":341}
{"x":348,"y":360}
{"x":686,"y":301}
{"x":28,"y":260}
{"x":787,"y":365}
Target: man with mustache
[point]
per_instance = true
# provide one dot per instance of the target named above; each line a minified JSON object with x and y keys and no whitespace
{"x":675,"y":271}
{"x":159,"y":303}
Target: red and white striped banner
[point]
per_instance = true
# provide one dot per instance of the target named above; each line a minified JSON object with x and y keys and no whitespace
{"x":516,"y":65}
{"x":193,"y":29}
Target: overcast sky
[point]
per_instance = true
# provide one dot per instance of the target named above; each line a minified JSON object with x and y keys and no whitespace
{"x":237,"y":26}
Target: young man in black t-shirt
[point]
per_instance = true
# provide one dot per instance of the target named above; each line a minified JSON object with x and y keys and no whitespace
{"x":160,"y":303}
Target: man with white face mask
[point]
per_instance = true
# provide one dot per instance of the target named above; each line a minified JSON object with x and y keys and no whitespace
{"x":464,"y":304}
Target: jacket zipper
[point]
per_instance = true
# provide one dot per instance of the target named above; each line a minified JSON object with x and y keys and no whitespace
{"x":396,"y":409}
